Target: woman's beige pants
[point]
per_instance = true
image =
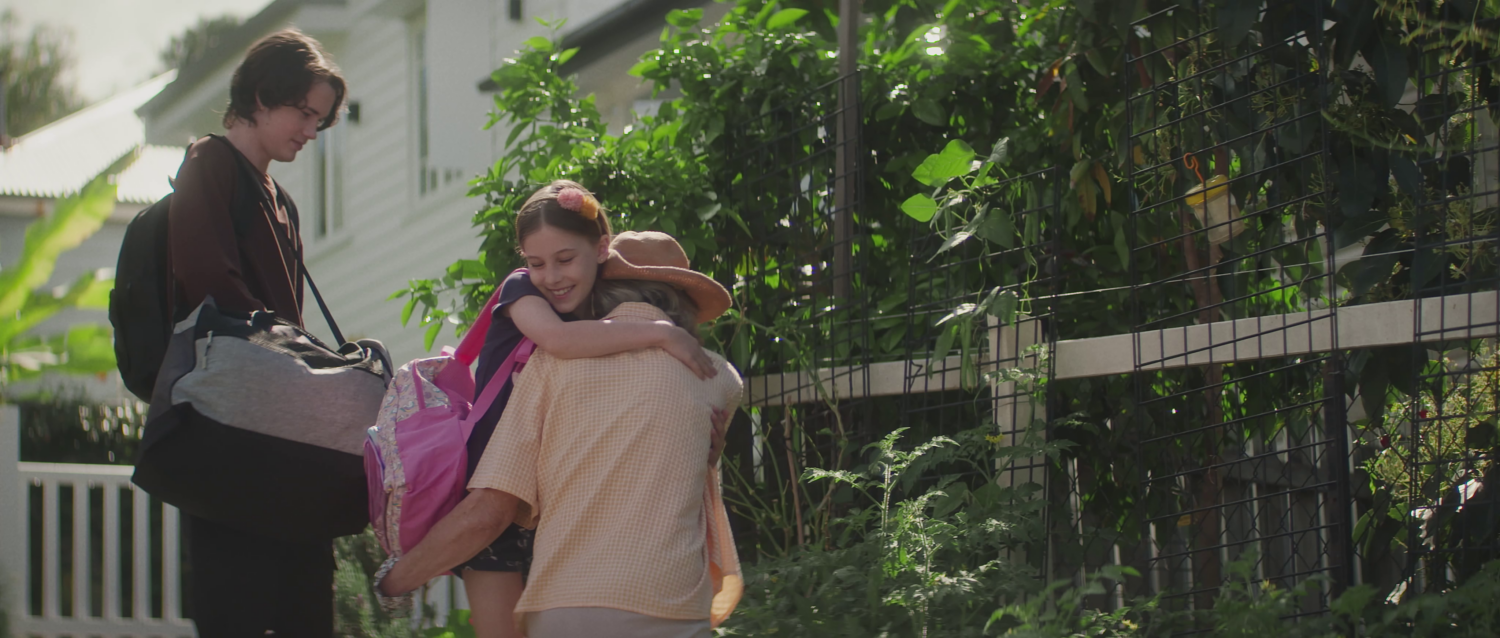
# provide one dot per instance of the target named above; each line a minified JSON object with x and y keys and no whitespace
{"x":603,"y":622}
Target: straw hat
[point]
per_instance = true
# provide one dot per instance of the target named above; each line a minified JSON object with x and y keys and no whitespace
{"x":656,"y":256}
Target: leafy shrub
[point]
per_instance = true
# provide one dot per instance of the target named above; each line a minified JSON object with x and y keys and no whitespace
{"x":929,"y":547}
{"x":63,"y":426}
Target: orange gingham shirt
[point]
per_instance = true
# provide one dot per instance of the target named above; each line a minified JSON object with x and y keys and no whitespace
{"x":609,"y":457}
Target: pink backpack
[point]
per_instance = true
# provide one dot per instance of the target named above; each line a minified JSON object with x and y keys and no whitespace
{"x":415,"y":453}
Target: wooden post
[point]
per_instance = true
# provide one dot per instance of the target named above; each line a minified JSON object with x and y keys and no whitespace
{"x":13,"y":523}
{"x":1208,"y":483}
{"x":847,"y":153}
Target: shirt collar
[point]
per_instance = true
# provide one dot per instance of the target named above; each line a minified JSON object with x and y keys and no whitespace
{"x":637,"y":312}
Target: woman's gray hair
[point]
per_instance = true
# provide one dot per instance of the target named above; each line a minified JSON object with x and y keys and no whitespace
{"x":609,"y":293}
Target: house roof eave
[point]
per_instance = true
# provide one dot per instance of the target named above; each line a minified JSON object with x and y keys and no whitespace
{"x":615,"y":28}
{"x":235,"y":43}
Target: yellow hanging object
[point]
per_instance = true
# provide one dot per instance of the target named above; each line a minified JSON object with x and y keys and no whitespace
{"x":1215,"y":207}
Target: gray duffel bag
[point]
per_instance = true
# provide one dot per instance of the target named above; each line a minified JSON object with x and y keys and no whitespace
{"x":256,"y":424}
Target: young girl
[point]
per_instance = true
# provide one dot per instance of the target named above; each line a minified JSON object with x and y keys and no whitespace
{"x":564,"y":236}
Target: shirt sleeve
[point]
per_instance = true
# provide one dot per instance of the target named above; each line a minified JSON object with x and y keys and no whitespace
{"x":513,"y":288}
{"x":205,"y":253}
{"x":733,"y":386}
{"x":510,"y":461}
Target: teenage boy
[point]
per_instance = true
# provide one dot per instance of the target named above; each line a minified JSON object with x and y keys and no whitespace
{"x":284,"y":93}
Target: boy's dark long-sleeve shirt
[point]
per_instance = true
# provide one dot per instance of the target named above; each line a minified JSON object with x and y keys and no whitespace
{"x":258,"y":271}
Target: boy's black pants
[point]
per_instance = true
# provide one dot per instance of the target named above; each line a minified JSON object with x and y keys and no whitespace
{"x":243,"y":585}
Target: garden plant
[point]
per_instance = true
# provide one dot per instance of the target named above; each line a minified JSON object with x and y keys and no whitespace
{"x":1340,"y":127}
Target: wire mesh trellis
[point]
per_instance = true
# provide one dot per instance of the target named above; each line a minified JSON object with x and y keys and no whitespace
{"x":801,"y":291}
{"x":1242,"y":457}
{"x":980,"y":330}
{"x":1248,"y":196}
{"x":1444,"y":423}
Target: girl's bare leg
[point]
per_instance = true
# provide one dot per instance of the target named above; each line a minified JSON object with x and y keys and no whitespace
{"x":492,"y":602}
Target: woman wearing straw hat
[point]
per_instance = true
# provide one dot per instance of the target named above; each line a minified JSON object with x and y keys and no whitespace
{"x":604,"y":457}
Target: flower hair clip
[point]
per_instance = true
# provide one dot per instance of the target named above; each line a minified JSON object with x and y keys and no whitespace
{"x":576,"y":200}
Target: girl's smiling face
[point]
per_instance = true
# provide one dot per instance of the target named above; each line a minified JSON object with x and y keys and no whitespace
{"x":563,"y":265}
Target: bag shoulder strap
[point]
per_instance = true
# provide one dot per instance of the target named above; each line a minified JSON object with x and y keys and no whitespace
{"x":242,"y":224}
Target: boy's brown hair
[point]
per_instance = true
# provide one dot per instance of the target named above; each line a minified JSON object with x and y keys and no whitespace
{"x":279,"y":70}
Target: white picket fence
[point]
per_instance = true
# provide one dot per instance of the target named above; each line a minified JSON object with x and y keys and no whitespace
{"x":130,"y":584}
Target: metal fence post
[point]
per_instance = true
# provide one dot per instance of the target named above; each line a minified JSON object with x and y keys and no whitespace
{"x":12,"y":515}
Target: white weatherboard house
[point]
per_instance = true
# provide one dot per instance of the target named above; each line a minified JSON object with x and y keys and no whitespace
{"x":382,"y":195}
{"x":56,"y":161}
{"x":382,"y":201}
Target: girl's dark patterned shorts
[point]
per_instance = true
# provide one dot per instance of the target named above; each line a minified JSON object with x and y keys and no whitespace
{"x":511,"y":552}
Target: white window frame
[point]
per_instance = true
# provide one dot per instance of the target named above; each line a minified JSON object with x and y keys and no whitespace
{"x":432,"y":182}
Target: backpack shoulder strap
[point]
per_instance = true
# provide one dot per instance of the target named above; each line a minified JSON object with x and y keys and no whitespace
{"x":512,"y":364}
{"x":238,"y":215}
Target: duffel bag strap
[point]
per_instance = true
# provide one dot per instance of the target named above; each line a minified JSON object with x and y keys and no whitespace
{"x":332,"y":325}
{"x":253,"y":175}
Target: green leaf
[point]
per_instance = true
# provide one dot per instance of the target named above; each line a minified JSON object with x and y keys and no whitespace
{"x":1001,"y":153}
{"x":760,"y":16}
{"x":1387,"y":58}
{"x":467,"y":269}
{"x":90,"y":290}
{"x":1407,"y":176}
{"x":963,"y":310}
{"x":84,"y":349}
{"x":928,"y":111}
{"x":432,"y":334}
{"x":1374,"y":379}
{"x":783,"y":18}
{"x":957,"y":158}
{"x":944,"y":344}
{"x":684,"y":18}
{"x":957,"y":238}
{"x":1122,"y":246}
{"x":539,"y":43}
{"x":411,"y":304}
{"x":920,"y":207}
{"x":1033,"y":232}
{"x":73,"y":220}
{"x":953,"y":497}
{"x":709,"y":211}
{"x":740,"y":347}
{"x":562,"y":58}
{"x":1003,"y":306}
{"x":1235,"y":18}
{"x":998,"y":228}
{"x":1403,"y":364}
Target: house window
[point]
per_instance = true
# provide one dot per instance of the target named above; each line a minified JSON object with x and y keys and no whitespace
{"x":435,"y":166}
{"x":427,"y":175}
{"x":328,"y":182}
